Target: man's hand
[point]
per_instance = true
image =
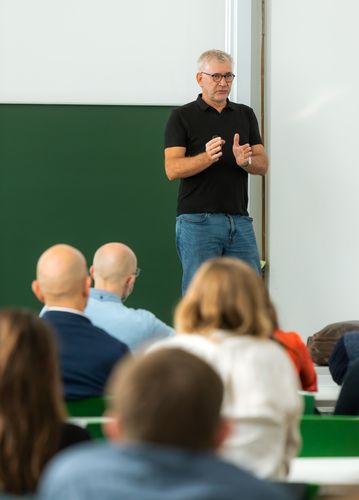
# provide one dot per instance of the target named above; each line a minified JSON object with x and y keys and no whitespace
{"x":241,"y":153}
{"x":214,"y":149}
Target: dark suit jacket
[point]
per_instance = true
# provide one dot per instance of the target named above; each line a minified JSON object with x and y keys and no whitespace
{"x":348,"y":400}
{"x":345,"y":353}
{"x":87,"y":353}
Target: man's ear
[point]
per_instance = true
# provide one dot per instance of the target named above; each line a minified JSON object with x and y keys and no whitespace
{"x":87,"y":286}
{"x":35,"y":286}
{"x":112,"y":427}
{"x":131,"y":281}
{"x":128,"y":288}
{"x":224,"y":429}
{"x":92,"y":273}
{"x":199,"y":78}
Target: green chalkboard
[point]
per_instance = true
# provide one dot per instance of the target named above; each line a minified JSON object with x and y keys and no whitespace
{"x":86,"y":175}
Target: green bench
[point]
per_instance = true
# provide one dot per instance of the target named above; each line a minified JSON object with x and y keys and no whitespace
{"x":329,"y":436}
{"x":95,"y":430}
{"x":89,"y":407}
{"x":309,"y":403}
{"x":87,"y":410}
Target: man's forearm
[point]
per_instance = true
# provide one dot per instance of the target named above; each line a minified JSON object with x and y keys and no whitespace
{"x":259,"y":165}
{"x":179,"y":168}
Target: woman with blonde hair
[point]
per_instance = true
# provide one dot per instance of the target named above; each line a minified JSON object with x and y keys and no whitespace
{"x":32,"y":413}
{"x":224,"y":319}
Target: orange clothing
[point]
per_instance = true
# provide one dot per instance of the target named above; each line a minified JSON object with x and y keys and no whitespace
{"x":300,"y":356}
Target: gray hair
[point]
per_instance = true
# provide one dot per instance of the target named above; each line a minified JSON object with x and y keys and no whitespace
{"x":207,"y":56}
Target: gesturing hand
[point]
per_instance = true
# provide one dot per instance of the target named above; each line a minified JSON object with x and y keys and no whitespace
{"x":241,"y":153}
{"x":214,"y":148}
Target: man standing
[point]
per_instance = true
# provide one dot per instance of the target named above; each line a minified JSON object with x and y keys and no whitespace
{"x":212,"y":144}
{"x":114,"y":272}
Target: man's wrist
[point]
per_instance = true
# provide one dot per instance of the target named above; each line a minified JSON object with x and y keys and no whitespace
{"x":247,"y":164}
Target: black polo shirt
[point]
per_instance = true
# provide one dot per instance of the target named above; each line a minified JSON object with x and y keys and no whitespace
{"x":222,"y":187}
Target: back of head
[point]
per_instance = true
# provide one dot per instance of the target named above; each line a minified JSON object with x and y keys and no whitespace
{"x":113,"y":263}
{"x":61,"y":274}
{"x":31,"y":408}
{"x":209,"y":55}
{"x":168,"y":397}
{"x":225,"y":294}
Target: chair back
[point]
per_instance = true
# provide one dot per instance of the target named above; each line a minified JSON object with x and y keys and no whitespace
{"x":309,"y":403}
{"x":89,"y":407}
{"x":329,"y":436}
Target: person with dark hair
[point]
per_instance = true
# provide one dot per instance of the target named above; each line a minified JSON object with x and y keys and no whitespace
{"x":224,"y":319}
{"x":165,"y":427}
{"x":114,"y":272}
{"x":32,"y":413}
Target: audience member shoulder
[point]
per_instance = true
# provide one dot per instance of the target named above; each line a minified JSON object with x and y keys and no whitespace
{"x":188,"y":341}
{"x":106,"y":335}
{"x":71,"y":464}
{"x":348,"y":400}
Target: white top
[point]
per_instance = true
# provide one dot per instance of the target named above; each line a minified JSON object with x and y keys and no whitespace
{"x":261,"y":398}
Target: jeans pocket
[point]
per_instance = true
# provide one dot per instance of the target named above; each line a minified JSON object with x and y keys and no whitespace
{"x":193,"y":218}
{"x":247,"y":217}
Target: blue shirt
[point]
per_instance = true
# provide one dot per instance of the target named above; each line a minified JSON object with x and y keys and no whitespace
{"x":134,"y":327}
{"x":148,"y":472}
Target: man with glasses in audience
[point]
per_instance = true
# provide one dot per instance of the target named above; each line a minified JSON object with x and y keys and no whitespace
{"x":211,"y":145}
{"x":114,"y":271}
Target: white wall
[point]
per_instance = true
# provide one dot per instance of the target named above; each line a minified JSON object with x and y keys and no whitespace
{"x":313,"y":105}
{"x":115,"y":52}
{"x":106,"y":51}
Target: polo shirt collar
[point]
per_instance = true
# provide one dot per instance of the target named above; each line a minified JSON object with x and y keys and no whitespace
{"x":204,"y":106}
{"x":104,"y":295}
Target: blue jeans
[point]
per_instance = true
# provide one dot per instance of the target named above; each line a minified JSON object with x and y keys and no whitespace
{"x":202,"y":236}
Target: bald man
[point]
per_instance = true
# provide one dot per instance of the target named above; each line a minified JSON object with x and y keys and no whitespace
{"x":114,"y":272}
{"x":87,"y":353}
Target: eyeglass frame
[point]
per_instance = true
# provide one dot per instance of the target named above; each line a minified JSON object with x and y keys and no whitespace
{"x":137,"y":272}
{"x":222,"y":75}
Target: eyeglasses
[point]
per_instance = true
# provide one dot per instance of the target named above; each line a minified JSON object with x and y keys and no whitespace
{"x":217,"y":77}
{"x":137,"y":272}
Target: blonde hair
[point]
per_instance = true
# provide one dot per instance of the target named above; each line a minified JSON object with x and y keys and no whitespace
{"x":225,"y":294}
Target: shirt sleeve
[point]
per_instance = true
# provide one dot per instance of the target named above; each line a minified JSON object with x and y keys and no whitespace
{"x":175,"y":132}
{"x":160,"y":329}
{"x":154,"y":329}
{"x":338,"y":361}
{"x":254,"y":134}
{"x":348,"y":400}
